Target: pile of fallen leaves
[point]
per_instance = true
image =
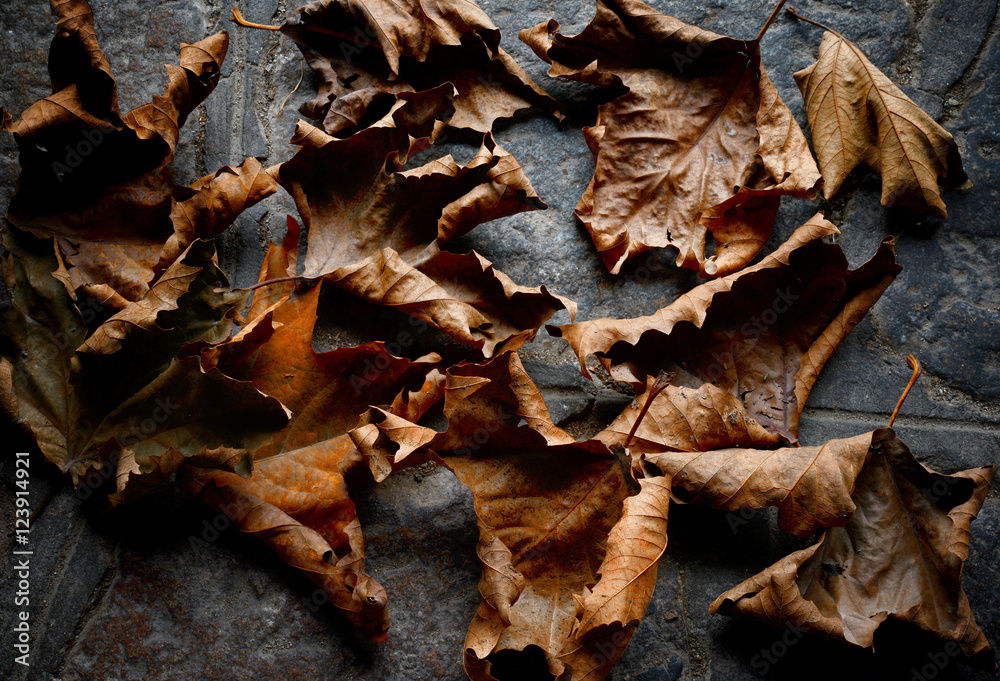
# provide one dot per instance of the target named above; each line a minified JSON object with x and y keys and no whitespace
{"x":125,"y":348}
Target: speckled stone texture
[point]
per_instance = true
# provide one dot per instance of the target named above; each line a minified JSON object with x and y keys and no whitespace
{"x":127,"y":596}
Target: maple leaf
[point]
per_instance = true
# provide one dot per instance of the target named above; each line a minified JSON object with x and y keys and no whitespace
{"x":366,"y":53}
{"x":99,"y":181}
{"x":762,"y":334}
{"x":696,"y":140}
{"x":910,"y":531}
{"x":296,"y":500}
{"x":569,"y":541}
{"x":378,"y":231}
{"x":859,"y":117}
{"x":140,"y":399}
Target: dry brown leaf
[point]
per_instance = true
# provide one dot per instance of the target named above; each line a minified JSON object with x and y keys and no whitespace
{"x":859,"y":117}
{"x":635,"y":545}
{"x":297,"y":499}
{"x":377,"y":230}
{"x":762,"y":334}
{"x":697,"y":139}
{"x":181,"y":279}
{"x":8,"y":400}
{"x":567,"y":568}
{"x":704,"y":440}
{"x":99,"y":181}
{"x":810,"y":486}
{"x":134,"y":479}
{"x":899,"y":557}
{"x":687,"y":419}
{"x":217,"y":202}
{"x":367,"y":53}
{"x":83,"y":408}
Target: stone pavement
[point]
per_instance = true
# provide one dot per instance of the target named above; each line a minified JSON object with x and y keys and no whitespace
{"x":126,"y":596}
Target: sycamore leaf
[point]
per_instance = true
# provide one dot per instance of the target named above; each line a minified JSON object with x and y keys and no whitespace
{"x":183,"y":278}
{"x":99,"y":181}
{"x":703,"y":439}
{"x":635,"y":545}
{"x":297,"y":499}
{"x":762,"y":334}
{"x":899,"y":557}
{"x":687,"y":419}
{"x":217,"y":202}
{"x":84,"y":408}
{"x":410,"y":28}
{"x":569,"y":555}
{"x":696,"y":140}
{"x":810,"y":486}
{"x":378,"y":231}
{"x":859,"y":117}
{"x":367,"y":53}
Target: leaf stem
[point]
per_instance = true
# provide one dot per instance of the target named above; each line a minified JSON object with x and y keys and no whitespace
{"x":914,"y":364}
{"x":770,"y":20}
{"x":238,"y":18}
{"x":793,"y":13}
{"x":662,"y":381}
{"x":279,"y":280}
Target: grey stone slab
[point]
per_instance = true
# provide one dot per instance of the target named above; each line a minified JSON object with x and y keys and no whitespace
{"x":180,"y":609}
{"x":24,"y":50}
{"x":952,"y":33}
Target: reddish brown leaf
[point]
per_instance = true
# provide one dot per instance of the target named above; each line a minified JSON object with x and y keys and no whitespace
{"x":687,"y":419}
{"x":566,"y":568}
{"x":297,"y":499}
{"x":367,"y":53}
{"x":762,"y":334}
{"x":697,"y":139}
{"x":628,"y":573}
{"x":378,"y":231}
{"x":100,"y":182}
{"x":84,"y":408}
{"x":810,"y":486}
{"x":181,"y":279}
